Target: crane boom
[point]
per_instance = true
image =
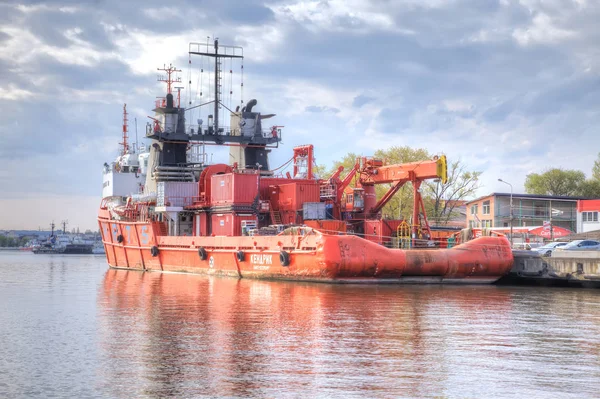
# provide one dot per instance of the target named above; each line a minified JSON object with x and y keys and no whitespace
{"x":422,"y":170}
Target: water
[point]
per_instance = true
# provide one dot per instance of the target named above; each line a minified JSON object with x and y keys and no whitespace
{"x":69,"y":327}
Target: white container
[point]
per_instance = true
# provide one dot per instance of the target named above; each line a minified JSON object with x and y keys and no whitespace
{"x":174,"y":193}
{"x":313,"y":211}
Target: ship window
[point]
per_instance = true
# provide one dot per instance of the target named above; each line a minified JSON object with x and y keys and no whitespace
{"x":350,"y":198}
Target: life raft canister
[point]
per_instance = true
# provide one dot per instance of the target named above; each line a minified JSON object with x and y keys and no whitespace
{"x":284,"y":258}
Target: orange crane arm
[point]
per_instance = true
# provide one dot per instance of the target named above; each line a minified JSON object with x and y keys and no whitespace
{"x":413,"y":171}
{"x":346,"y":181}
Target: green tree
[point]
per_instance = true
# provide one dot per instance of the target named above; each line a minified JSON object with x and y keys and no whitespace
{"x":442,"y":199}
{"x":596,"y":169}
{"x":589,"y":188}
{"x":554,"y":181}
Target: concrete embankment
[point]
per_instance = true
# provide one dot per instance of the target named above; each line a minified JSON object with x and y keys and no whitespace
{"x":572,"y":268}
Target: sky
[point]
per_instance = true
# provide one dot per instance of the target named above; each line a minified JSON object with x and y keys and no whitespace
{"x":508,"y":87}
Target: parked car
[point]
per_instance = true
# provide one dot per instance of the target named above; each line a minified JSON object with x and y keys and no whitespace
{"x":546,"y":250}
{"x":582,"y":245}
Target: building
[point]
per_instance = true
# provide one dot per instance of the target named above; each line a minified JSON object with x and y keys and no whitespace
{"x":587,"y":215}
{"x":457,"y":211}
{"x":528,"y":210}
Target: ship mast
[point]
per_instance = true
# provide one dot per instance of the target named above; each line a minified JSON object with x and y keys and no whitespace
{"x":169,"y":79}
{"x":179,"y":95}
{"x":218,"y":57}
{"x":125,"y":130}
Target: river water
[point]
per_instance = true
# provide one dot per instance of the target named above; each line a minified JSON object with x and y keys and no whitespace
{"x":72,"y":328}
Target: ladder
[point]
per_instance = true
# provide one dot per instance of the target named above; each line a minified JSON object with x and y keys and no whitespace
{"x":275,"y":215}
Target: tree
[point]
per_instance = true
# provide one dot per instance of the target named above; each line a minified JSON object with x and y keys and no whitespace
{"x":554,"y":181}
{"x":442,"y":199}
{"x":596,"y":169}
{"x":589,"y":188}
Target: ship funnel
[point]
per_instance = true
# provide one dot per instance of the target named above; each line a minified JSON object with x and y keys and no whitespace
{"x":251,"y":104}
{"x":169,"y":100}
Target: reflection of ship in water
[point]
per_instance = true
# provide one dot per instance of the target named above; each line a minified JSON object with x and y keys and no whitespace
{"x":62,"y":244}
{"x":193,"y":335}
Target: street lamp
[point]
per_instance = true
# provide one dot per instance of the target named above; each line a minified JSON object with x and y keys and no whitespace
{"x":511,"y":210}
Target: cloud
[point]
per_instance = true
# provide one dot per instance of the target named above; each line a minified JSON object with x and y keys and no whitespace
{"x":317,"y":109}
{"x":510,"y":87}
{"x":361,"y":100}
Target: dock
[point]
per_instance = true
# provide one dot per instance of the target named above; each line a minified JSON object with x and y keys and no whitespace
{"x":564,"y":268}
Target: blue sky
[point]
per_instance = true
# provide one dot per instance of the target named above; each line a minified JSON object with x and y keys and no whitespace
{"x":509,"y":87}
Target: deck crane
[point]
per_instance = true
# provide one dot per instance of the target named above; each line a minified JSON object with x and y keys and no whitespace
{"x":364,"y":203}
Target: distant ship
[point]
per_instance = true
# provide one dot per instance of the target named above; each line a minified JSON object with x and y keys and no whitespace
{"x":98,"y":249}
{"x":62,"y":244}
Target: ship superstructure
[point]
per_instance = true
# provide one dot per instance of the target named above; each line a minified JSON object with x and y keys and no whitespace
{"x":241,"y":219}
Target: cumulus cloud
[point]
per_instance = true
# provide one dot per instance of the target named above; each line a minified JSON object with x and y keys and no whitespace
{"x":509,"y":87}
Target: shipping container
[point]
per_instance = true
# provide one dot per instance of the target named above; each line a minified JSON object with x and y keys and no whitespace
{"x":267,"y":184}
{"x":327,"y":226}
{"x":313,"y":211}
{"x":173,"y":193}
{"x":291,"y":196}
{"x":234,"y":189}
{"x":229,"y":224}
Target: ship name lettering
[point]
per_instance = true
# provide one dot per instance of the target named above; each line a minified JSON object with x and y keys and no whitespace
{"x":260,"y":259}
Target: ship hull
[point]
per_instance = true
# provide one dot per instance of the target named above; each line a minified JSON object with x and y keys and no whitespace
{"x":71,"y":249}
{"x":310,"y":257}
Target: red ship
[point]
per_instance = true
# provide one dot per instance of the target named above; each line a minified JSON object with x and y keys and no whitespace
{"x":242,"y":220}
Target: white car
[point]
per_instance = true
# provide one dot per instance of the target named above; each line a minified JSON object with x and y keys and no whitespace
{"x":582,"y":245}
{"x":547,"y":249}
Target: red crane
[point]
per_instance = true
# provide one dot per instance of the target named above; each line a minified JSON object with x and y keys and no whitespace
{"x":374,"y":172}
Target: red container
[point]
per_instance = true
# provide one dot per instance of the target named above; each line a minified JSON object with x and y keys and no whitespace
{"x":293,"y":195}
{"x":229,"y":224}
{"x":233,"y":188}
{"x":267,"y":183}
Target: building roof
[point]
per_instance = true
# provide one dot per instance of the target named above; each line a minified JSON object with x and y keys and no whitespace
{"x":530,"y":196}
